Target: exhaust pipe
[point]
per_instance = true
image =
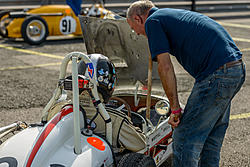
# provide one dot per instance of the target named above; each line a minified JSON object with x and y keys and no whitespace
{"x":11,"y":128}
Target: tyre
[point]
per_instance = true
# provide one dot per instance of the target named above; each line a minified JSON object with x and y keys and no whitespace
{"x":34,"y":30}
{"x":3,"y":30}
{"x":136,"y":160}
{"x":168,"y":162}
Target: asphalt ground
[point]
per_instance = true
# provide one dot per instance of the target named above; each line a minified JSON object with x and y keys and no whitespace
{"x":28,"y":76}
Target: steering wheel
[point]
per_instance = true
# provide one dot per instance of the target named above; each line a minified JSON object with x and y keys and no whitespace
{"x":123,"y":102}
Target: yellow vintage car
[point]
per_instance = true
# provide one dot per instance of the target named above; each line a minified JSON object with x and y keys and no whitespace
{"x":35,"y":25}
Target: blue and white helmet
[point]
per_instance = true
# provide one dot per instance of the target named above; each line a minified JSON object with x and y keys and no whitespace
{"x":105,"y":73}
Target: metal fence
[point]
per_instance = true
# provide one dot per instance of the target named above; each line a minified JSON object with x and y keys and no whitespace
{"x":121,"y":5}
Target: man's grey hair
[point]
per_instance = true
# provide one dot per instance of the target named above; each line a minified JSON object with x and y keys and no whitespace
{"x":139,"y":8}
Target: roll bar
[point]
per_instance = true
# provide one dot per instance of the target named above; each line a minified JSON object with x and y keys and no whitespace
{"x":75,"y":56}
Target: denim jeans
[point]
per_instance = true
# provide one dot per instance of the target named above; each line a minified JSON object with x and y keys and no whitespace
{"x":198,"y":139}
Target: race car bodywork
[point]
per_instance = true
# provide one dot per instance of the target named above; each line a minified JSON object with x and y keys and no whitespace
{"x":50,"y":20}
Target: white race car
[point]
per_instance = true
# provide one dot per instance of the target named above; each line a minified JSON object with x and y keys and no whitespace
{"x":89,"y":123}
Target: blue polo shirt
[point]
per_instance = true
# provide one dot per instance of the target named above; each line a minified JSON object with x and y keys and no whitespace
{"x":200,"y":44}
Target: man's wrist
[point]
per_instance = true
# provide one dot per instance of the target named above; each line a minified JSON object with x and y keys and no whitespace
{"x":177,"y":111}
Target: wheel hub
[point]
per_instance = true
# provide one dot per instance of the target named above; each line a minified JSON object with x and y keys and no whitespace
{"x":34,"y":30}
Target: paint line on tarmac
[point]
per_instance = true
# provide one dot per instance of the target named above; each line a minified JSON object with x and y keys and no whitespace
{"x":233,"y":25}
{"x":245,"y":50}
{"x":26,"y":67}
{"x":240,"y":116}
{"x":236,"y":26}
{"x":241,"y":39}
{"x":31,"y":52}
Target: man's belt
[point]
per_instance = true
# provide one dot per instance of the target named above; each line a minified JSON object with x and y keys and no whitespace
{"x":231,"y":64}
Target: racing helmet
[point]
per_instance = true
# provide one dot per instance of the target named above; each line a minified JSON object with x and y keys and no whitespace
{"x":104,"y":71}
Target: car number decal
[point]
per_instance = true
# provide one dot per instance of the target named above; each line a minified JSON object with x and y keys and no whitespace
{"x":56,"y":165}
{"x":10,"y":161}
{"x":67,"y":25}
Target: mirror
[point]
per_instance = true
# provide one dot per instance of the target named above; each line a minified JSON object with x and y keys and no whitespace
{"x":162,"y":107}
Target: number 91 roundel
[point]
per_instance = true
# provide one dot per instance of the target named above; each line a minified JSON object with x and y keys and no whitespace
{"x":67,"y":25}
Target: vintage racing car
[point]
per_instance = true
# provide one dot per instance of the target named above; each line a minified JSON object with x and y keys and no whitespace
{"x":88,"y":122}
{"x":49,"y":20}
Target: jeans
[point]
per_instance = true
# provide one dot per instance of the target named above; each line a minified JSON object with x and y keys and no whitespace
{"x":198,"y":139}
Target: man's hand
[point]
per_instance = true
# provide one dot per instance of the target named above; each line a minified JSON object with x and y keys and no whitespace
{"x":174,"y":119}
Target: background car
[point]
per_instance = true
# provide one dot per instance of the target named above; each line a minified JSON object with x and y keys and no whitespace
{"x":35,"y":25}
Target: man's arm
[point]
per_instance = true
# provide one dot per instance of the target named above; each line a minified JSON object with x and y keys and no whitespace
{"x":168,"y":79}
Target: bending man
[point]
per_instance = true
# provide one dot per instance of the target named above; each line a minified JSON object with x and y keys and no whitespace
{"x":208,"y":53}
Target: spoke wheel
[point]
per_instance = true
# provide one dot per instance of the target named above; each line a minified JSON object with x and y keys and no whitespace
{"x":136,"y":160}
{"x":34,"y":30}
{"x":4,"y":21}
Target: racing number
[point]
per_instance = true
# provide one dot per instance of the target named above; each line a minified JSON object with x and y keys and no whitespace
{"x":56,"y":165}
{"x":11,"y":161}
{"x":67,"y":25}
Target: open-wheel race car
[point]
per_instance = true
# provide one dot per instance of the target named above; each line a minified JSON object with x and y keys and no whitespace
{"x":91,"y":122}
{"x":35,"y":25}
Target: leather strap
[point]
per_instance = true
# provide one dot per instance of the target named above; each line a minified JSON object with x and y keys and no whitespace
{"x":231,"y":64}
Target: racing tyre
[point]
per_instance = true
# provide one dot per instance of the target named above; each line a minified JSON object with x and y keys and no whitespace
{"x":3,"y":30}
{"x":34,"y":30}
{"x":168,"y":162}
{"x":136,"y":160}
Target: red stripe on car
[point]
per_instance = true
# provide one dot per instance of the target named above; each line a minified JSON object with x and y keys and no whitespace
{"x":65,"y":111}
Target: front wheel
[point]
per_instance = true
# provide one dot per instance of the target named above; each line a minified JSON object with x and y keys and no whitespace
{"x":168,"y":162}
{"x":136,"y":160}
{"x":4,"y":17}
{"x":34,"y":30}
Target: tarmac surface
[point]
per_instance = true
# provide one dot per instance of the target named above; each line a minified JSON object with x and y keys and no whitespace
{"x":28,"y":76}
